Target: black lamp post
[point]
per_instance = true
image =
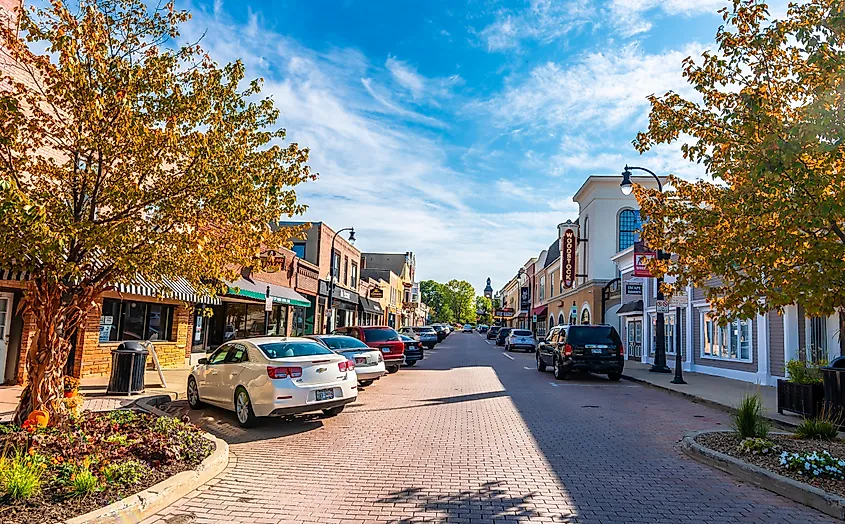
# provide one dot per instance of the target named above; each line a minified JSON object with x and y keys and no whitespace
{"x":659,"y":365}
{"x":331,"y":274}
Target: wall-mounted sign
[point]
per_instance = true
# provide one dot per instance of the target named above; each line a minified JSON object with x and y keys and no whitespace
{"x":525,"y":299}
{"x":377,"y":292}
{"x":567,"y":255}
{"x":641,"y":259}
{"x":633,"y":288}
{"x":504,"y":312}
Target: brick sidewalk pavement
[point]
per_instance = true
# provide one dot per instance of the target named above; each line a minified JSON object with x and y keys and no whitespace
{"x":469,"y":436}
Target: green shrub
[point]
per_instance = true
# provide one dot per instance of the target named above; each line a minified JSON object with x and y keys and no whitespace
{"x":20,"y":475}
{"x":81,"y":482}
{"x":126,"y":473}
{"x":757,"y":446}
{"x":117,"y":438}
{"x":823,"y":427}
{"x":168,"y":425}
{"x":122,"y":416}
{"x":748,"y":421}
{"x":801,"y":372}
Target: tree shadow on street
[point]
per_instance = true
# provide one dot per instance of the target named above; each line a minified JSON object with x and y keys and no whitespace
{"x":492,"y":502}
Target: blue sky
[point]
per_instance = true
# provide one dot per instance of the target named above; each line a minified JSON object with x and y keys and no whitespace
{"x":460,"y":130}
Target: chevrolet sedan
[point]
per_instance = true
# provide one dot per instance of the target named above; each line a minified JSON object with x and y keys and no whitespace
{"x":369,"y":364}
{"x":273,"y":376}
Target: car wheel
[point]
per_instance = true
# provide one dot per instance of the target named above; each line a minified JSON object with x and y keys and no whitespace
{"x":541,"y":366}
{"x":392,"y":369}
{"x":333,"y":412}
{"x":410,"y":363}
{"x":194,"y":394}
{"x":560,"y":373}
{"x":365,"y":383}
{"x":614,"y":377}
{"x":243,"y":408}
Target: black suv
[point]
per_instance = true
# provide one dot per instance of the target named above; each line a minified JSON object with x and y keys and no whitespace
{"x":441,"y":332}
{"x":597,"y":349}
{"x":492,"y":332}
{"x":502,"y":335}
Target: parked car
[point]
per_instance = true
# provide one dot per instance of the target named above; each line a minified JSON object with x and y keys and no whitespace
{"x":596,"y":348}
{"x":502,"y":335}
{"x":467,"y":328}
{"x":441,"y":331}
{"x":273,"y":376}
{"x":413,"y":350}
{"x":383,"y":338}
{"x":520,"y":339}
{"x":426,"y":335}
{"x":493,"y":332}
{"x":369,"y":362}
{"x":482,"y":328}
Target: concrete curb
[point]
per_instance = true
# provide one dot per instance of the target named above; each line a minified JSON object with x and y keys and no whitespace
{"x":704,"y":401}
{"x":805,"y":494}
{"x":155,"y":498}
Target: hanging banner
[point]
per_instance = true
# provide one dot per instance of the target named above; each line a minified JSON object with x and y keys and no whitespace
{"x":525,"y":299}
{"x":641,"y":260}
{"x":567,"y":255}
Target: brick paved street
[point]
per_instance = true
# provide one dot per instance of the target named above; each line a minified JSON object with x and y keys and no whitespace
{"x":471,"y":436}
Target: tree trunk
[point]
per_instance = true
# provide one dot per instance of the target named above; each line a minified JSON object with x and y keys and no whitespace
{"x":58,"y":311}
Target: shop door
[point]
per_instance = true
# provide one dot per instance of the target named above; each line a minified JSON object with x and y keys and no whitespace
{"x":635,"y":339}
{"x":5,"y":321}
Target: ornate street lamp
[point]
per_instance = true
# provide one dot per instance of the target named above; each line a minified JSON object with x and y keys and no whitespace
{"x":331,"y":274}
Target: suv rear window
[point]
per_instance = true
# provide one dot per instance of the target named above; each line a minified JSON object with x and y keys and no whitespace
{"x":381,"y":335}
{"x":495,"y":329}
{"x":505,"y":331}
{"x":424,"y":330}
{"x":521,"y":333}
{"x":580,"y":335}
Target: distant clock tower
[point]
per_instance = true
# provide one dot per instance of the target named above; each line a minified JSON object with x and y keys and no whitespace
{"x":488,"y":291}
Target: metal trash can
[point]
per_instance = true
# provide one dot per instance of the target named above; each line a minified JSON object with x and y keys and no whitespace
{"x":128,"y":363}
{"x":833,"y":378}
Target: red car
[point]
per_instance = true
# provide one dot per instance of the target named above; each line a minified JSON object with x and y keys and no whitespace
{"x":382,"y":337}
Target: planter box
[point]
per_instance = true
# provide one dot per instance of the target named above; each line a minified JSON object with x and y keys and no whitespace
{"x":804,"y":399}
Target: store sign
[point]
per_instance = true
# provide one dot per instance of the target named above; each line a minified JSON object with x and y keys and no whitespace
{"x":641,"y":260}
{"x":504,"y":312}
{"x":633,"y":288}
{"x":568,"y":257}
{"x":525,"y":298}
{"x":377,"y":292}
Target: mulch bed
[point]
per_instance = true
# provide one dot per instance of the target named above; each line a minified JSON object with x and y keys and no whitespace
{"x":728,"y":443}
{"x":163,"y":447}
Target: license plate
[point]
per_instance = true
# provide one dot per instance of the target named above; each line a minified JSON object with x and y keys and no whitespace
{"x":325,"y":394}
{"x":385,"y":350}
{"x":360,"y":360}
{"x":597,"y":351}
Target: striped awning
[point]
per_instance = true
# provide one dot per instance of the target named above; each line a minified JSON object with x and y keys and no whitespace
{"x":257,"y":289}
{"x":178,"y":289}
{"x":13,"y":275}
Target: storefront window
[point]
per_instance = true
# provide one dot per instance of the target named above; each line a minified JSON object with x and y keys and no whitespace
{"x":668,"y":333}
{"x":732,"y":341}
{"x":817,"y":350}
{"x":585,"y":316}
{"x":125,"y":320}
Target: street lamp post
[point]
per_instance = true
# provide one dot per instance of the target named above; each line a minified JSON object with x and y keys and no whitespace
{"x":331,"y":275}
{"x":659,"y":365}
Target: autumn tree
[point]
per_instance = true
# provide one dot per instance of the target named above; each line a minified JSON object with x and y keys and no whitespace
{"x":125,"y":153}
{"x":767,"y":125}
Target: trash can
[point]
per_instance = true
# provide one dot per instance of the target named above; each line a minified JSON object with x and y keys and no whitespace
{"x":128,"y":363}
{"x":833,"y":378}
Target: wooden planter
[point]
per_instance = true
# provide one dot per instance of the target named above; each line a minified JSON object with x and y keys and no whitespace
{"x":804,"y":399}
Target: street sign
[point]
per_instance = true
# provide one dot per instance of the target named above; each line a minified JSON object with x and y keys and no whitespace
{"x":268,"y":304}
{"x":678,"y":300}
{"x":662,"y":306}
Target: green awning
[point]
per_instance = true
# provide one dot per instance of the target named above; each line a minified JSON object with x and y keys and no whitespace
{"x":257,"y":290}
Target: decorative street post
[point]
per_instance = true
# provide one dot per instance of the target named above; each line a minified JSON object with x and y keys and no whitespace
{"x":331,"y":275}
{"x":659,"y":365}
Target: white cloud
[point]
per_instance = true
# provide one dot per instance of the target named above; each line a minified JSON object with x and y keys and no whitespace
{"x":541,"y":20}
{"x":406,"y":75}
{"x":627,"y":15}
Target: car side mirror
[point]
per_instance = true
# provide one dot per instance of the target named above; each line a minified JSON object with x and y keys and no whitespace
{"x":202,"y":361}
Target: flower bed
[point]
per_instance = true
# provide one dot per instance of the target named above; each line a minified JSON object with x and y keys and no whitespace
{"x":814,"y":462}
{"x":55,"y":473}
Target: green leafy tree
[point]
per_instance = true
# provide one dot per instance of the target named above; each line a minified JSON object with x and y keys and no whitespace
{"x":436,"y":296}
{"x":767,"y":125}
{"x":124,"y":154}
{"x":462,"y":298}
{"x":484,"y":309}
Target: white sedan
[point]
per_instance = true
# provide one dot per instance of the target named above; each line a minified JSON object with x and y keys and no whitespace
{"x":369,"y":362}
{"x":273,"y":376}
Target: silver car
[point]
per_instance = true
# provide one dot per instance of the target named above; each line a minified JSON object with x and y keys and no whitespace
{"x":520,"y":339}
{"x":425,"y":335}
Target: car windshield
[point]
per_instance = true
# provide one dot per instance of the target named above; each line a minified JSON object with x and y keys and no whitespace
{"x":293,"y":349}
{"x":579,"y":335}
{"x":341,"y":343}
{"x":381,"y":335}
{"x":424,"y":330}
{"x":521,"y":333}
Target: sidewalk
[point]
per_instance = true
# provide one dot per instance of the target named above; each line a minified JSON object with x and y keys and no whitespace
{"x":93,"y":389}
{"x":721,"y":392}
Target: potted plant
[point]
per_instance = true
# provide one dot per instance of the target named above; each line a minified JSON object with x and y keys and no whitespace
{"x":802,"y":392}
{"x":71,"y":386}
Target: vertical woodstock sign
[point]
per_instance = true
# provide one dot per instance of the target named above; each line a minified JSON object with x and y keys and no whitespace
{"x":569,"y":243}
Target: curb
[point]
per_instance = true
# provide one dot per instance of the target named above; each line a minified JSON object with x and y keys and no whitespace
{"x":155,"y":498}
{"x":704,"y":401}
{"x":828,"y":503}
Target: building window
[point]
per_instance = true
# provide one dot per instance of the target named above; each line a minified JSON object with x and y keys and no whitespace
{"x":130,"y":320}
{"x":560,"y":319}
{"x":629,"y":226}
{"x":585,"y":316}
{"x":817,"y":350}
{"x":336,"y":265}
{"x":299,"y":249}
{"x":668,"y":333}
{"x":542,"y":288}
{"x":354,"y":280}
{"x":345,"y":271}
{"x":732,"y":341}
